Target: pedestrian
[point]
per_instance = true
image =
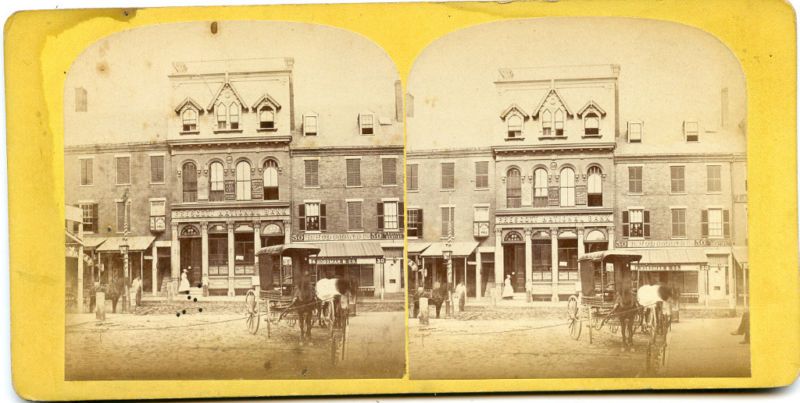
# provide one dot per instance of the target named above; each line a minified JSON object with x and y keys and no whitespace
{"x":508,"y":291}
{"x":136,"y":289}
{"x":461,"y":294}
{"x":744,"y":328}
{"x":438,"y":297}
{"x":183,"y":288}
{"x":93,"y":295}
{"x":417,"y":295}
{"x":115,"y":290}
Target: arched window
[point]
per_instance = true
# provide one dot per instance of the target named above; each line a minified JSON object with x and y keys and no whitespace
{"x":222,"y":117}
{"x":216,"y":182}
{"x":540,"y":187}
{"x":234,"y":116}
{"x":591,"y":124}
{"x":547,"y":123}
{"x":189,"y":173}
{"x":567,"y":185}
{"x":559,"y":123}
{"x":271,"y":180}
{"x":189,"y":120}
{"x":513,"y":188}
{"x":243,"y":180}
{"x":595,"y":186}
{"x":514,"y":126}
{"x":266,"y":118}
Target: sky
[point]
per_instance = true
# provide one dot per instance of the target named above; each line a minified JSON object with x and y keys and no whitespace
{"x":669,"y":73}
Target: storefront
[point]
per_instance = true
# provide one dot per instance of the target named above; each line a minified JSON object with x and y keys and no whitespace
{"x":139,"y":255}
{"x":458,"y":257}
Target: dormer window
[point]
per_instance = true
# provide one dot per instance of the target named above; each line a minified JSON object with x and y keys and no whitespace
{"x":547,"y":123}
{"x":559,"y":122}
{"x":234,"y":115}
{"x":222,"y":117}
{"x":591,"y":124}
{"x":310,"y":124}
{"x":514,"y":118}
{"x":514,"y":126}
{"x":634,"y":132}
{"x":266,"y":118}
{"x":552,"y":111}
{"x":189,"y":117}
{"x":366,"y":124}
{"x":691,"y":131}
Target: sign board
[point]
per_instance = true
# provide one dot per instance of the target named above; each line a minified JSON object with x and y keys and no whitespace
{"x":670,"y":243}
{"x":555,"y":219}
{"x":353,"y":236}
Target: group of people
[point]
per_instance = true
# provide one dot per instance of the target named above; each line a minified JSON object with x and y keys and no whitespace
{"x":114,"y":291}
{"x":439,"y":295}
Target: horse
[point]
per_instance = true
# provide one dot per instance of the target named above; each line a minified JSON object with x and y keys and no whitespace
{"x":655,"y":299}
{"x":626,"y":308}
{"x":330,"y":292}
{"x":304,"y":302}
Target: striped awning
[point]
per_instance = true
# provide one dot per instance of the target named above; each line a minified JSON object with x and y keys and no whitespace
{"x":135,"y":243}
{"x":460,"y":249}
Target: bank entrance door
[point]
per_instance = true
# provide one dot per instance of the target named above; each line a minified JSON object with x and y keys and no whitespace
{"x":514,"y":265}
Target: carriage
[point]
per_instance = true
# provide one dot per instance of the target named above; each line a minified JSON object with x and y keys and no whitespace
{"x":605,"y":275}
{"x":281,"y":271}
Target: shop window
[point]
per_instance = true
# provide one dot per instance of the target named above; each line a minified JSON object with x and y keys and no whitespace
{"x":158,"y":215}
{"x":243,"y":254}
{"x":715,"y":223}
{"x":591,"y":124}
{"x":513,"y":188}
{"x":389,"y":171}
{"x":540,"y":187}
{"x":390,"y":215}
{"x":412,"y":180}
{"x":311,"y":173}
{"x":216,"y":182}
{"x":713,"y":178}
{"x":312,"y":216}
{"x":679,"y":223}
{"x":354,"y":221}
{"x":266,"y":118}
{"x":567,"y":187}
{"x":156,"y":169}
{"x":310,"y":124}
{"x":542,"y":269}
{"x":217,"y":254}
{"x":271,"y":180}
{"x":595,"y":187}
{"x":189,"y":119}
{"x":366,"y":124}
{"x":482,"y":175}
{"x":89,"y":211}
{"x":677,"y":176}
{"x":514,"y":123}
{"x":87,"y":171}
{"x":448,"y":214}
{"x":635,"y":179}
{"x":448,"y":175}
{"x":636,"y":223}
{"x":568,"y":259}
{"x":353,"y":172}
{"x":480,"y":221}
{"x":415,"y":221}
{"x":123,"y":168}
{"x":243,"y":188}
{"x":189,"y":174}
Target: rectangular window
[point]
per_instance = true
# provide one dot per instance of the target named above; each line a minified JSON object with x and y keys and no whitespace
{"x":448,"y":214}
{"x":217,"y":254}
{"x":123,"y":216}
{"x":448,"y":175}
{"x":123,"y":168}
{"x":312,"y":216}
{"x":353,"y":171}
{"x":414,"y":223}
{"x":691,"y":131}
{"x":158,"y":213}
{"x":389,"y":166}
{"x":678,"y":223}
{"x":89,"y":217}
{"x":390,"y":210}
{"x":310,"y":125}
{"x":411,"y":177}
{"x":243,"y":254}
{"x":366,"y":123}
{"x":87,"y":171}
{"x":482,"y":175}
{"x":480,"y":221}
{"x":634,"y":132}
{"x":715,"y":223}
{"x":354,"y":222}
{"x":156,"y":169}
{"x":636,"y":223}
{"x":634,"y":179}
{"x":311,"y":172}
{"x":714,"y":178}
{"x":677,"y":179}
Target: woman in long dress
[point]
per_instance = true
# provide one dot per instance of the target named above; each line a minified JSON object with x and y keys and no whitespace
{"x":183,"y":288}
{"x":508,"y":291}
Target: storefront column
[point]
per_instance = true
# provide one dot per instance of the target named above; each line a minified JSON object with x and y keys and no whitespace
{"x":376,"y":279}
{"x":256,"y":247}
{"x":528,"y":259}
{"x":154,"y":269}
{"x":554,"y":262}
{"x":478,"y":268}
{"x":231,"y":258}
{"x":287,"y":231}
{"x":204,"y":254}
{"x":498,"y":257}
{"x":175,"y":256}
{"x":581,"y":251}
{"x":610,"y":230}
{"x":79,"y":297}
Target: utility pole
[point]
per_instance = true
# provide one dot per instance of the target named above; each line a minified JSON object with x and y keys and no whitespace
{"x":124,"y":248}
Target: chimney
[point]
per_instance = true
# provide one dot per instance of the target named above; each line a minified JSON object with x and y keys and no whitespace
{"x":724,"y":108}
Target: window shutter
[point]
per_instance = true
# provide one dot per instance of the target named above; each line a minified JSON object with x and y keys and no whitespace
{"x":323,"y":222}
{"x":301,"y":215}
{"x":704,"y":223}
{"x":625,"y":228}
{"x":726,"y":223}
{"x":646,"y":223}
{"x":401,"y":211}
{"x":379,"y":209}
{"x":419,"y":223}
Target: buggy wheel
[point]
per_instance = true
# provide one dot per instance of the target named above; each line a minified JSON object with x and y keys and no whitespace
{"x":575,"y":322}
{"x":253,"y":317}
{"x":345,"y":323}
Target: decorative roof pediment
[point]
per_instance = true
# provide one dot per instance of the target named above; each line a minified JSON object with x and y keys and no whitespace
{"x":514,"y":108}
{"x":552,"y":101}
{"x":188,"y":102}
{"x":226,"y":93}
{"x":266,"y":99}
{"x":591,"y":105}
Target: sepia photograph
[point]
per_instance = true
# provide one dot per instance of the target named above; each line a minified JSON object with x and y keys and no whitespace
{"x":234,"y":205}
{"x":577,"y":203}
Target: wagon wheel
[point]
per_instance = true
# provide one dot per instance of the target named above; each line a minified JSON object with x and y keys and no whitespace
{"x":253,"y":316}
{"x":575,"y":322}
{"x":345,"y":325}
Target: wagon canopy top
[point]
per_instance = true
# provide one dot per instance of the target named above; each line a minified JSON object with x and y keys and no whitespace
{"x":291,"y":248}
{"x":614,"y":254}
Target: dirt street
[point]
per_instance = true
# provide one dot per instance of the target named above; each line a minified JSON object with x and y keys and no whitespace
{"x":218,"y":346}
{"x":542,"y":348}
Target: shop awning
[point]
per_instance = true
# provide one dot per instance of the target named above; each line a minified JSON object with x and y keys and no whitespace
{"x":417,"y":247}
{"x":350,"y":249}
{"x":93,"y":242}
{"x":740,"y":254}
{"x":670,"y":259}
{"x":302,"y":248}
{"x":460,"y":249}
{"x":135,"y":243}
